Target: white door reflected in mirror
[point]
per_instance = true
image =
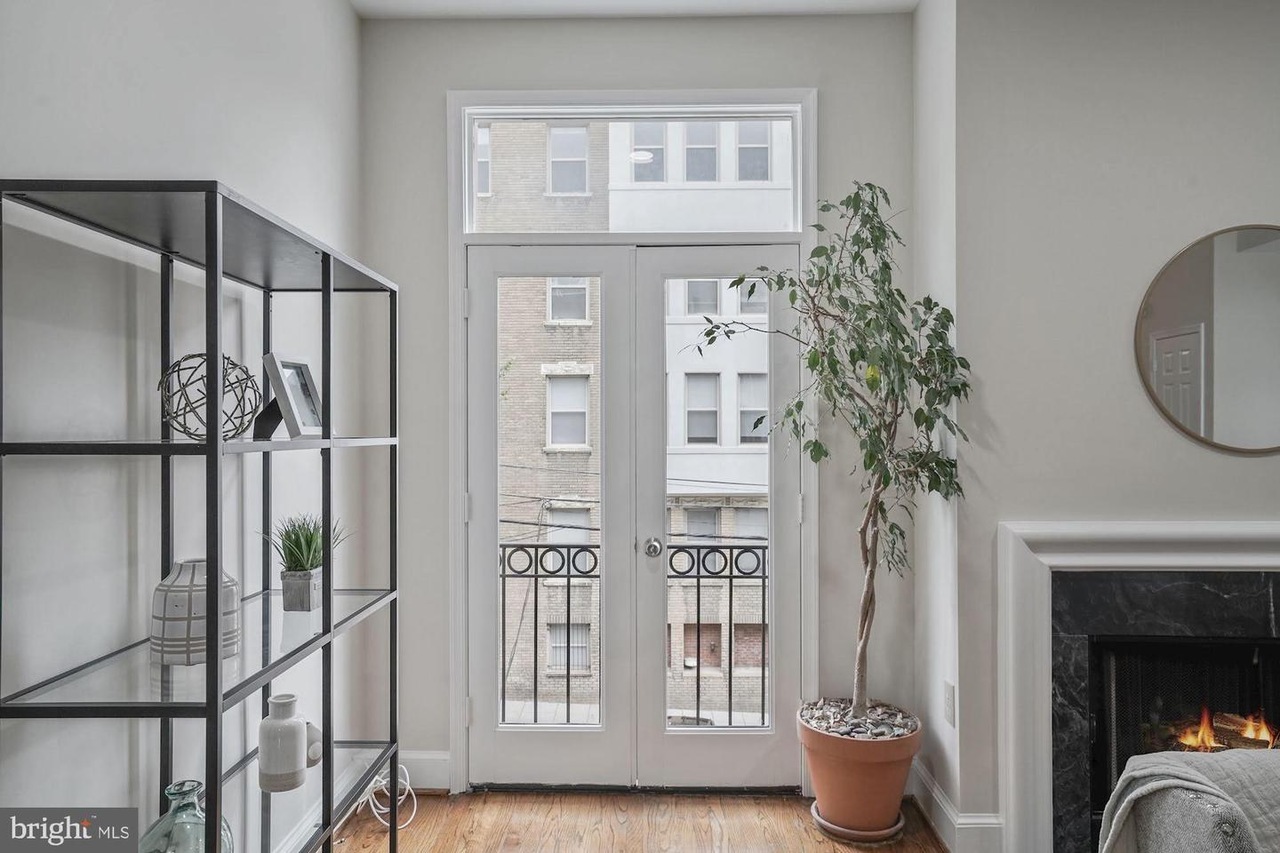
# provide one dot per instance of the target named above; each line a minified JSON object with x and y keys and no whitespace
{"x":1207,"y":340}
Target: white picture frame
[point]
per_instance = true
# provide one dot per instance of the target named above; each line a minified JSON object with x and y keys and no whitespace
{"x":298,"y":394}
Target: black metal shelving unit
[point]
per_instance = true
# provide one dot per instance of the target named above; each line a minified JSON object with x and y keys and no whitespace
{"x":206,"y":225}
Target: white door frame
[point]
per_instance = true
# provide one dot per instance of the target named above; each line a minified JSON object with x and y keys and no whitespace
{"x":458,"y":103}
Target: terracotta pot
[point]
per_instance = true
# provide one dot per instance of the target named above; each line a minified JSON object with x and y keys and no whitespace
{"x":858,"y":783}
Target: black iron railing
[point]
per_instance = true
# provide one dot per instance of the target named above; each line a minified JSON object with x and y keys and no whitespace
{"x":728,"y":565}
{"x":733,"y":564}
{"x":538,"y":562}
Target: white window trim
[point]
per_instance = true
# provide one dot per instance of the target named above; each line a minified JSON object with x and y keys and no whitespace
{"x":715,"y":510}
{"x":586,"y":287}
{"x":476,"y":162}
{"x":568,"y":650}
{"x":666,"y":164}
{"x":586,"y":162}
{"x":737,"y":153}
{"x":697,"y":316}
{"x":714,"y":146}
{"x":719,"y":427}
{"x":801,"y":105}
{"x":742,"y":409}
{"x":568,"y":368}
{"x":552,"y":447}
{"x":762,"y":291}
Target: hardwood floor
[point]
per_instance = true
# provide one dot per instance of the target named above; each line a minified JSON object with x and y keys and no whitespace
{"x":586,"y":823}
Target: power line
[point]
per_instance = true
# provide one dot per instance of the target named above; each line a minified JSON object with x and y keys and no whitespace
{"x":695,"y":482}
{"x":672,"y":533}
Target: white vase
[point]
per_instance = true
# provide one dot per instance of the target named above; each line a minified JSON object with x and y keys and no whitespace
{"x":287,"y":746}
{"x":178,"y":610}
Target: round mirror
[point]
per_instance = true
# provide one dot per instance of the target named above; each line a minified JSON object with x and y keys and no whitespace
{"x":1207,"y":340}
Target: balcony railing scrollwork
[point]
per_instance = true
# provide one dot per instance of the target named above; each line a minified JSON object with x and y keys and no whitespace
{"x":719,"y":568}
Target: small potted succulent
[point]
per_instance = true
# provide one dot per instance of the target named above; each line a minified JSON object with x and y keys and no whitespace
{"x":299,"y":541}
{"x":883,"y":369}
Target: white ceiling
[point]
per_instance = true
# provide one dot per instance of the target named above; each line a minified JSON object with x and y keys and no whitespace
{"x":618,"y":8}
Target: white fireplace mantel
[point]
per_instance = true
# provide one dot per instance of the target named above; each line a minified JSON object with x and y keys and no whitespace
{"x":1029,"y":552}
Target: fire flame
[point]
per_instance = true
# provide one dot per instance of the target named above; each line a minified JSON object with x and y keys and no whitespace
{"x":1201,"y":738}
{"x":1257,"y":729}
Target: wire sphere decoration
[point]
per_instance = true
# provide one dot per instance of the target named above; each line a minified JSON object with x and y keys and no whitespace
{"x":183,"y":393}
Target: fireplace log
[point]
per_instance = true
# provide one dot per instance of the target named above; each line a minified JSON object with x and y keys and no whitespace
{"x":1228,"y":733}
{"x":1229,"y":729}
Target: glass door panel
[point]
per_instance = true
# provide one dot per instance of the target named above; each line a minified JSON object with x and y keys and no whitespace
{"x":717,"y":502}
{"x":551,"y":526}
{"x":549,"y":498}
{"x":710,"y":618}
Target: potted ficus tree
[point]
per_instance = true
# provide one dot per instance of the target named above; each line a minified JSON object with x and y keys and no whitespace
{"x":884,"y":369}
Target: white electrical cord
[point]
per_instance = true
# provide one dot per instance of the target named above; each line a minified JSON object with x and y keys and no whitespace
{"x":382,"y":786}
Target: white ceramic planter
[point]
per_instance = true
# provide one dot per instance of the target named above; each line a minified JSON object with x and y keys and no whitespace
{"x":287,"y":746}
{"x":178,"y":609}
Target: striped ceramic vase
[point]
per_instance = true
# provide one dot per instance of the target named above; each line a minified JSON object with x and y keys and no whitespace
{"x":178,"y":611}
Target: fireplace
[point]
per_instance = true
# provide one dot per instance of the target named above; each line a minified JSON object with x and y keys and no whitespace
{"x":1153,"y":660}
{"x":1184,"y":694}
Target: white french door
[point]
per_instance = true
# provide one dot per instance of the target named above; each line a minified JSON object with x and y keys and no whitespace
{"x":633,"y":532}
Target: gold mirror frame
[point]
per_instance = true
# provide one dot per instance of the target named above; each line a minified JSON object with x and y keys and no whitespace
{"x":1139,"y":350}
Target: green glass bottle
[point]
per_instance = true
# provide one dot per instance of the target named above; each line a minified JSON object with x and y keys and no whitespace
{"x":181,"y":829}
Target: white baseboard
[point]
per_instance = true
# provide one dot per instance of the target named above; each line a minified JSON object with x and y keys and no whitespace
{"x":428,"y":768}
{"x":962,"y":833}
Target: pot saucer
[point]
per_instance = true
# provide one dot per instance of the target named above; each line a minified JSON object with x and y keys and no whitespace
{"x":854,"y":834}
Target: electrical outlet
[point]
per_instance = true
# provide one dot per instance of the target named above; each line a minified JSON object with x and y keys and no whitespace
{"x":949,"y":702}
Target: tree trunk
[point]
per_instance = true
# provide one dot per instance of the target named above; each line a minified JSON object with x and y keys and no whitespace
{"x":866,"y":615}
{"x":868,"y":547}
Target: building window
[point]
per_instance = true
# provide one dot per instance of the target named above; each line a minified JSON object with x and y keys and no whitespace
{"x":566,"y":299}
{"x":756,"y":303}
{"x":567,"y":147}
{"x":702,"y":297}
{"x":702,"y":522}
{"x":701,"y":144}
{"x":752,"y":524}
{"x":568,"y":526}
{"x":750,"y":641}
{"x":753,"y":404}
{"x":753,"y":150}
{"x":573,"y":645}
{"x":702,"y":408}
{"x":649,"y":152}
{"x":702,"y":646}
{"x":567,"y":411}
{"x":484,"y":159}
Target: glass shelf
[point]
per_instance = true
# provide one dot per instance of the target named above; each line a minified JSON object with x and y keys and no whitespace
{"x":161,"y":447}
{"x":128,"y":683}
{"x":294,"y":817}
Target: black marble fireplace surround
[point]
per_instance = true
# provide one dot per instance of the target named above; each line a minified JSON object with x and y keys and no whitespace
{"x":1090,"y":605}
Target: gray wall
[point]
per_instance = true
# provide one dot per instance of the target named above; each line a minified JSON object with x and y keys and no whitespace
{"x":1095,"y":140}
{"x":261,"y":96}
{"x":934,"y":255}
{"x":861,"y":67}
